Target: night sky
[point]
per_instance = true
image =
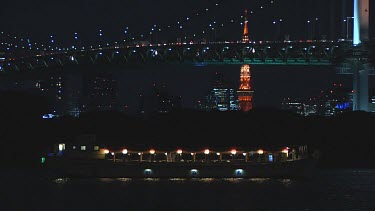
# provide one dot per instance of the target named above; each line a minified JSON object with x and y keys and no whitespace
{"x":41,"y":18}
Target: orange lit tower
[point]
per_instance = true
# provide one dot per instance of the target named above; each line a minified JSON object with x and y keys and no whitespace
{"x":245,"y":36}
{"x":245,"y":94}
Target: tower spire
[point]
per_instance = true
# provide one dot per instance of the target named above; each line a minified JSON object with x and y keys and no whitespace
{"x":245,"y":36}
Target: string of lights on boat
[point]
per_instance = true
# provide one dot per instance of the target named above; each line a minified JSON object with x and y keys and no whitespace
{"x":206,"y":151}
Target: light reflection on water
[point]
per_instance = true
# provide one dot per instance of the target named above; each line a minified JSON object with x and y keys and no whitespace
{"x":334,"y":190}
{"x":61,"y":180}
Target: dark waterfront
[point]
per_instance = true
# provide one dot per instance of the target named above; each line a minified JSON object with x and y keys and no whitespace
{"x":328,"y":190}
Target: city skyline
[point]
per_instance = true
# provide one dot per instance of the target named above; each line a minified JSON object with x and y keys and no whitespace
{"x":316,"y":45}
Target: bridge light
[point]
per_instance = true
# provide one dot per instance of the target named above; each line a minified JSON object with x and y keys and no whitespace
{"x":179,"y":151}
{"x":260,"y":151}
{"x":233,"y":151}
{"x":152,"y":151}
{"x":106,"y":151}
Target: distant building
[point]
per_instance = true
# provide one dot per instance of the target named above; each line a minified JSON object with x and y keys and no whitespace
{"x":293,"y":105}
{"x":328,"y":103}
{"x":159,"y":100}
{"x":53,"y":88}
{"x":100,"y":92}
{"x":221,"y":97}
{"x":2,"y":61}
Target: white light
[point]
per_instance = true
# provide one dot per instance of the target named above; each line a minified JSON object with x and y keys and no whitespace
{"x":260,"y":151}
{"x":233,"y":152}
{"x":179,"y":151}
{"x":112,"y":153}
{"x":61,"y":147}
{"x":206,"y":151}
{"x":218,"y":153}
{"x":106,"y":151}
{"x":124,"y":151}
{"x":244,"y":154}
{"x":152,"y":151}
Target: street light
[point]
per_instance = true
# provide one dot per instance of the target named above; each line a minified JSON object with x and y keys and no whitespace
{"x":179,"y":152}
{"x":206,"y":152}
{"x":233,"y":152}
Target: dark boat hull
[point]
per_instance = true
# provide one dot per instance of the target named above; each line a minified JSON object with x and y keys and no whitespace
{"x":291,"y":169}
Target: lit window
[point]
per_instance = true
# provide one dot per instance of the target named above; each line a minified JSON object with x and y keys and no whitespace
{"x":148,"y":172}
{"x":83,"y":148}
{"x":61,"y":147}
{"x":96,"y":148}
{"x":194,"y":172}
{"x":270,"y":157}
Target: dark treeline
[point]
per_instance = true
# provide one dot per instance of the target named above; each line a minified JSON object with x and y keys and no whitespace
{"x":345,"y":140}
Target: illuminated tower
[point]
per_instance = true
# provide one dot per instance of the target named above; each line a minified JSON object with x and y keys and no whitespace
{"x":245,"y":94}
{"x":245,"y":36}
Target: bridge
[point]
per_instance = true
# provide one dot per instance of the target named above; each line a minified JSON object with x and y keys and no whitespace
{"x":267,"y":53}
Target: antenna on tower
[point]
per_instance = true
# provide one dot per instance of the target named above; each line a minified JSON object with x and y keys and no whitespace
{"x":245,"y":36}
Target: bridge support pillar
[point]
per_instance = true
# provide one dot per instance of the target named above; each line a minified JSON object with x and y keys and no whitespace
{"x":360,"y":87}
{"x":361,"y":21}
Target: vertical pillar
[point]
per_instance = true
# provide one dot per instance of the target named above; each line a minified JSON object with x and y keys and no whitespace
{"x":140,"y":157}
{"x":363,"y":78}
{"x":360,"y":87}
{"x":361,"y":21}
{"x":356,"y":89}
{"x":221,"y":157}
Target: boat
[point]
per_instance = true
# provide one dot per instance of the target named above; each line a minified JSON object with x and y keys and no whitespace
{"x":285,"y":163}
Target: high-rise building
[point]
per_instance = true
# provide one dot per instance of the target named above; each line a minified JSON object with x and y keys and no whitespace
{"x":159,"y":100}
{"x":100,"y":92}
{"x":222,"y":97}
{"x":244,"y":93}
{"x":53,"y":88}
{"x":2,"y":60}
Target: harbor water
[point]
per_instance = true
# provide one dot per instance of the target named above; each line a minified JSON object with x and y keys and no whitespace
{"x":331,"y":190}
